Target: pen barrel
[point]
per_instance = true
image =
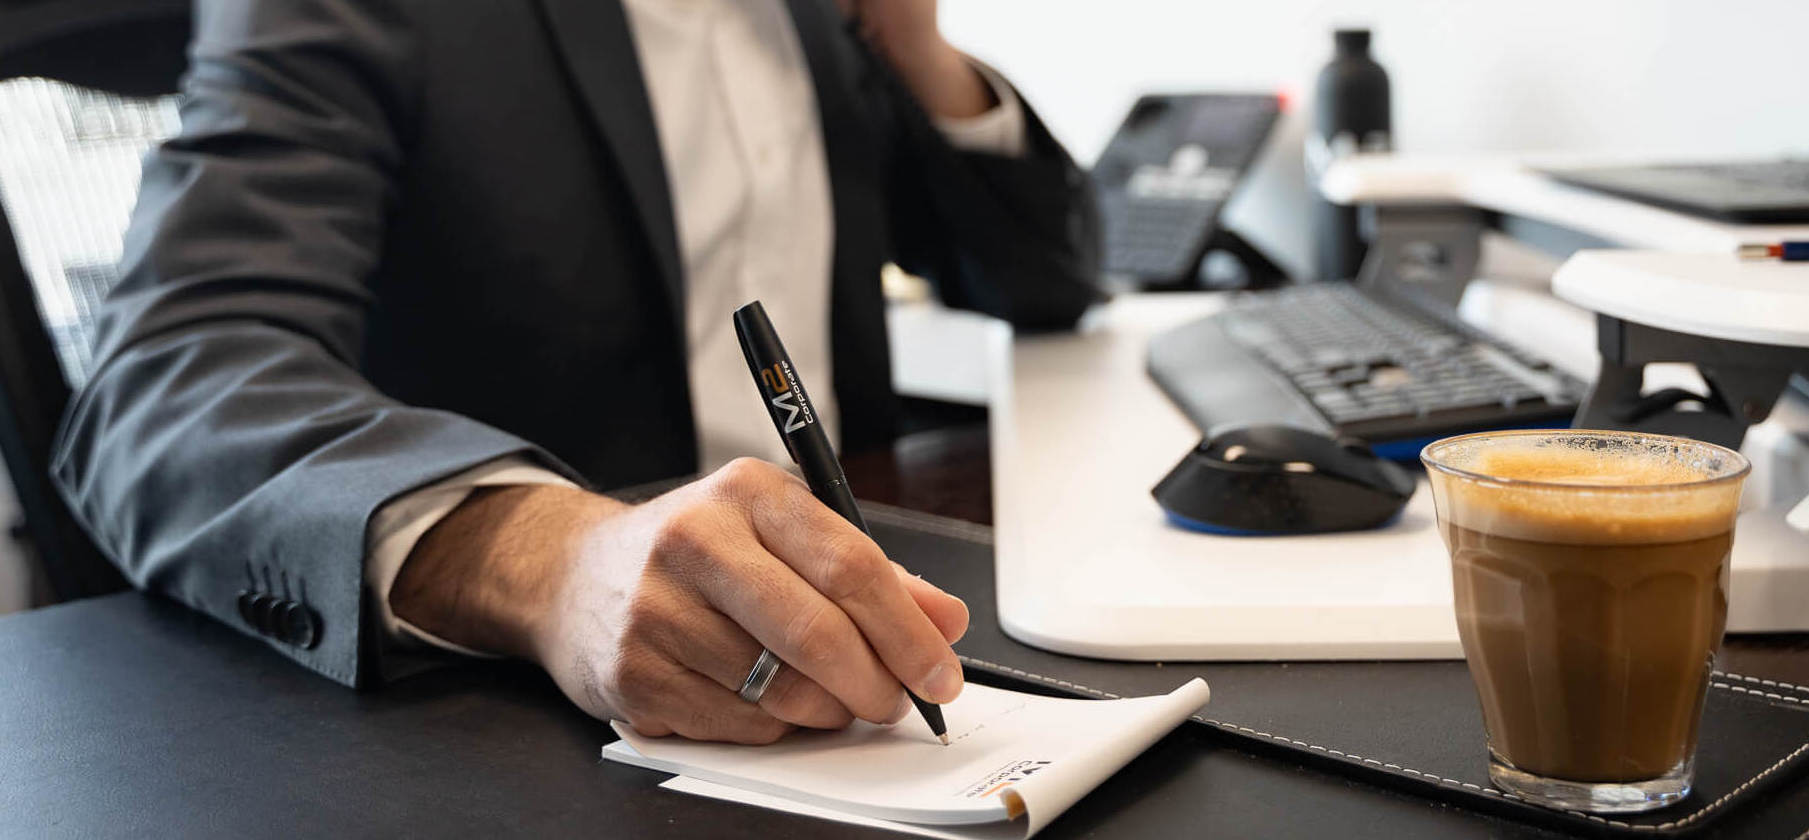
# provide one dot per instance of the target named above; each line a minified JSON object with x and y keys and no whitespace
{"x":793,"y":415}
{"x":833,"y":492}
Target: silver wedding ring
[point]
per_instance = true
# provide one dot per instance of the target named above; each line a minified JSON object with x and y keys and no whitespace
{"x":765,"y":668}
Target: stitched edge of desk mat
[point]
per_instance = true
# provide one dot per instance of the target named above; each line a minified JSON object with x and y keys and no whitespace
{"x":1758,"y":688}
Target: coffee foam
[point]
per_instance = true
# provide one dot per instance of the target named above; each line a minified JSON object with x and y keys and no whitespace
{"x":1587,"y":496}
{"x":1582,"y":467}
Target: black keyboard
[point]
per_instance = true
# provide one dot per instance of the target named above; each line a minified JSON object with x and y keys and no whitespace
{"x":1384,"y":373}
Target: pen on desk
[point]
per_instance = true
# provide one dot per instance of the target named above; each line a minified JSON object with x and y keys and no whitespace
{"x":1786,"y":251}
{"x":783,"y":392}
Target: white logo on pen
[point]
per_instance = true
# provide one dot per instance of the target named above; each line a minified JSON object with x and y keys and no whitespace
{"x":778,"y":379}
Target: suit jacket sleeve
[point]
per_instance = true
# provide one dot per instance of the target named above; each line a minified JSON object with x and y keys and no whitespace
{"x":227,"y":440}
{"x":1016,"y":237}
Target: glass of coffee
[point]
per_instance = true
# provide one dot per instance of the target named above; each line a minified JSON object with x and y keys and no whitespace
{"x":1590,"y":573}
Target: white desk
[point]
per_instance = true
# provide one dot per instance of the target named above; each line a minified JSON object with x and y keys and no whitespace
{"x":1716,"y":295}
{"x":938,"y":352}
{"x":1087,"y":564}
{"x":1505,"y":184}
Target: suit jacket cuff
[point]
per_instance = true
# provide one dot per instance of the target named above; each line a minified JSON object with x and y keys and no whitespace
{"x":999,"y":131}
{"x":401,"y":522}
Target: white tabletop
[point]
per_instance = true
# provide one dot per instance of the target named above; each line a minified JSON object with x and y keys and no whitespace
{"x":1509,"y":184}
{"x":1087,"y":564}
{"x":1717,"y":295}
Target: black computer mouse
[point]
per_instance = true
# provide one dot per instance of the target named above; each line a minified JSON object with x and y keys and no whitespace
{"x":1257,"y":480}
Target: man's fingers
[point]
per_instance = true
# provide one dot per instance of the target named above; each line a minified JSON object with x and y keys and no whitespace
{"x":808,"y":632}
{"x":795,"y":698}
{"x":718,"y":648}
{"x":754,"y":589}
{"x":842,"y":563}
{"x":946,"y":611}
{"x":820,"y":594}
{"x":693,"y":706}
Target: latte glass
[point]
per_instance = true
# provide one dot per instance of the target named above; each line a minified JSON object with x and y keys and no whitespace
{"x":1590,"y":577}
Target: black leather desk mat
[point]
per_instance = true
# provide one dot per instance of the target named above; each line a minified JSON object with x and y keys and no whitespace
{"x":130,"y":716}
{"x":1410,"y":725}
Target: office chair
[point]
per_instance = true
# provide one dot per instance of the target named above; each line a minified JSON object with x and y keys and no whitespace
{"x":86,"y":86}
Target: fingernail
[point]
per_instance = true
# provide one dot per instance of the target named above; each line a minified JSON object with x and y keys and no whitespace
{"x":943,"y":684}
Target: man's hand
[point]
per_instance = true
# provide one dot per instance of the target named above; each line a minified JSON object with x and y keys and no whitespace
{"x":905,"y":32}
{"x":655,"y":613}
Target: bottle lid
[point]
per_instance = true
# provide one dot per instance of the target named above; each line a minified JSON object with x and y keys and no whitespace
{"x":1351,"y":40}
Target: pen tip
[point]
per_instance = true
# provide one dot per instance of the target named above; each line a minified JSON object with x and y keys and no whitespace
{"x":944,"y":738}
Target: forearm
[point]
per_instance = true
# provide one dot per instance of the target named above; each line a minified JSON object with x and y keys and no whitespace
{"x":942,"y":80}
{"x":487,"y":575}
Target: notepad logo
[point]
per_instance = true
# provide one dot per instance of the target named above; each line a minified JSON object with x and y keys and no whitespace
{"x":790,"y":407}
{"x":1004,"y":777}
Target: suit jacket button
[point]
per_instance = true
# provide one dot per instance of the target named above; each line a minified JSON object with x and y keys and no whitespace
{"x":245,"y":611}
{"x":262,"y":605}
{"x":301,"y":627}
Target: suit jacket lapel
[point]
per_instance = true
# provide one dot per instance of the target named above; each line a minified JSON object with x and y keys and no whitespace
{"x":599,"y":53}
{"x":840,"y":70}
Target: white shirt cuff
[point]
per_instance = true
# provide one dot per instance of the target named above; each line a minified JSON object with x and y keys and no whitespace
{"x":998,"y":131}
{"x":401,"y":523}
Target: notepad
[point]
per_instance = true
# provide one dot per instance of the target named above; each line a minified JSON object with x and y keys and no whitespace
{"x":1014,"y":762}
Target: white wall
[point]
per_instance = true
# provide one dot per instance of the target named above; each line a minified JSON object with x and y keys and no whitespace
{"x":1652,"y":77}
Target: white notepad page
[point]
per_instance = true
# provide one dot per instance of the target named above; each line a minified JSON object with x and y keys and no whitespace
{"x":1010,"y":755}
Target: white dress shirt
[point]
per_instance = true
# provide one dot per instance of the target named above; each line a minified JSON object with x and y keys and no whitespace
{"x":736,"y":113}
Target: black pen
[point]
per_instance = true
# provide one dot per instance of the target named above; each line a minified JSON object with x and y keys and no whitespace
{"x":783,"y":392}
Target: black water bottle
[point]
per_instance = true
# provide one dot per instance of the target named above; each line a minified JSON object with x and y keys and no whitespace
{"x":1350,"y":114}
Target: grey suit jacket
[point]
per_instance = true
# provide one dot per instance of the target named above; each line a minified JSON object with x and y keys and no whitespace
{"x":398,"y":238}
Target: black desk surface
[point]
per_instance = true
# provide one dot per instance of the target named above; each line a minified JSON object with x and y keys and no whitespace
{"x":129,"y":715}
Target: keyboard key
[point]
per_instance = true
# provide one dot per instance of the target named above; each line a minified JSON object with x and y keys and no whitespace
{"x":1372,"y":413}
{"x":1333,"y":400}
{"x":1330,"y":357}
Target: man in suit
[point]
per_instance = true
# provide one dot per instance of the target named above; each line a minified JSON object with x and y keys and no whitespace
{"x":419,"y":277}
